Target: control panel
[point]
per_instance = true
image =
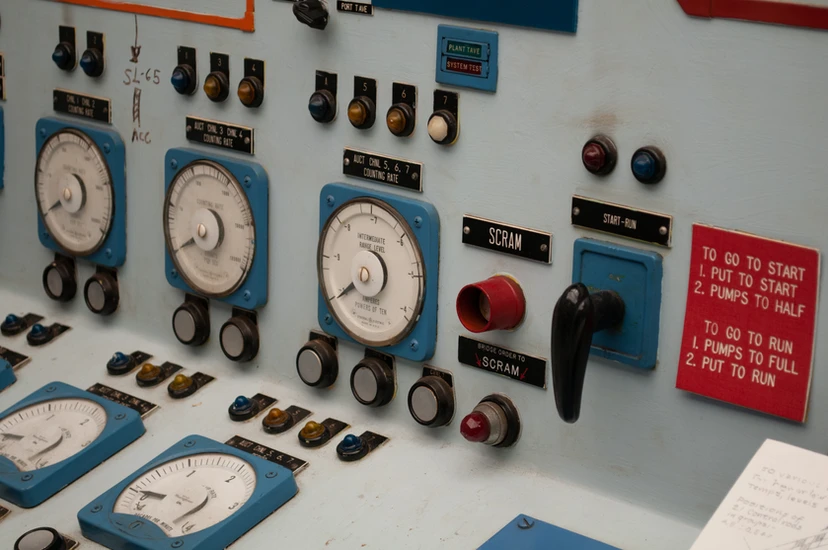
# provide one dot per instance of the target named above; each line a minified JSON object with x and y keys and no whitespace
{"x":403,"y":274}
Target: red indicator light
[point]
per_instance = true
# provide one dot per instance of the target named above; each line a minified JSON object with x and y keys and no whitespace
{"x":475,"y":427}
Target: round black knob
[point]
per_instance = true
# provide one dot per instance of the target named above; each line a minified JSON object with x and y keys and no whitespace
{"x":431,"y":401}
{"x":191,"y":324}
{"x":59,"y":281}
{"x":322,"y":106}
{"x":400,"y":119}
{"x":42,"y":538}
{"x":184,"y":80}
{"x":101,"y":293}
{"x":442,"y":127}
{"x":317,"y":364}
{"x":239,"y":339}
{"x":578,"y":315}
{"x":372,"y":382}
{"x":362,"y":113}
{"x":313,"y":13}
{"x":92,"y":62}
{"x":64,"y":56}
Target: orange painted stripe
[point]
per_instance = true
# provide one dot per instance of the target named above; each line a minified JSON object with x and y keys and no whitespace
{"x":244,"y":23}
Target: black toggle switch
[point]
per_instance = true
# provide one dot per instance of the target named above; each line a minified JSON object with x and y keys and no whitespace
{"x":101,"y":293}
{"x":578,"y":315}
{"x":372,"y":382}
{"x":42,"y":538}
{"x":59,"y":280}
{"x":191,"y":323}
{"x":313,"y":13}
{"x":317,"y":364}
{"x":239,"y":338}
{"x":431,"y":401}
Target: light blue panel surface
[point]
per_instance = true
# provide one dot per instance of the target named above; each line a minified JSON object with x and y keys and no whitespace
{"x":112,"y":252}
{"x":488,"y":42}
{"x":419,"y":345}
{"x":636,"y":276}
{"x":275,"y":485}
{"x":556,"y":15}
{"x":254,"y":183}
{"x":526,"y":533}
{"x":7,"y":377}
{"x":28,"y":489}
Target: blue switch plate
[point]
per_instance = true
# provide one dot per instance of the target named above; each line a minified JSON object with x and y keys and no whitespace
{"x":470,"y":51}
{"x":527,"y":533}
{"x":636,"y":276}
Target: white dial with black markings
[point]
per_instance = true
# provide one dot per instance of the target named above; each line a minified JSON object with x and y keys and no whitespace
{"x":74,"y":192}
{"x":46,"y":433}
{"x":371,"y":272}
{"x":209,"y":229}
{"x":189,"y":494}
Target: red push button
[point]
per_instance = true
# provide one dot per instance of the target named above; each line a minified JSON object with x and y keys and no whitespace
{"x":599,"y":155}
{"x":494,"y":304}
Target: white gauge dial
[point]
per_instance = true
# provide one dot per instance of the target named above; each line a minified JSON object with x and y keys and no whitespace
{"x":189,"y":494}
{"x":47,"y":433}
{"x":74,"y":192}
{"x":371,"y":272}
{"x":209,"y":229}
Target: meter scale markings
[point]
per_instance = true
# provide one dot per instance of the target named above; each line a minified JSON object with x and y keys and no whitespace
{"x":371,"y":272}
{"x":74,"y":192}
{"x":50,"y":432}
{"x":209,"y":229}
{"x":189,"y":494}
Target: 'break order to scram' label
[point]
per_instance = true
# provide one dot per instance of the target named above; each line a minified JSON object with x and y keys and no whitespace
{"x":750,"y":321}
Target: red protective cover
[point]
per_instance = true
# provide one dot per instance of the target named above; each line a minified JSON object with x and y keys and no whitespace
{"x":765,"y":11}
{"x":750,"y":322}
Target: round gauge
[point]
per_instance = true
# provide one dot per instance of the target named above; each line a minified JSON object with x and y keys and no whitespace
{"x":209,"y":229}
{"x":51,"y":431}
{"x":189,"y":494}
{"x":74,"y":192}
{"x":371,"y":272}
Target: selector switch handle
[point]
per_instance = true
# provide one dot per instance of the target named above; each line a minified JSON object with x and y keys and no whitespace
{"x":313,"y":13}
{"x":578,"y":315}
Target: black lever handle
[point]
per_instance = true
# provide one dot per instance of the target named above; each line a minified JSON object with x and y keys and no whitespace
{"x":578,"y":315}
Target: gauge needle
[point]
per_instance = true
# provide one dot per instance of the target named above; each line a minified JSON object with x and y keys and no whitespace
{"x":348,"y":289}
{"x":11,"y":436}
{"x":47,"y":449}
{"x":152,"y":494}
{"x":57,"y":203}
{"x":194,"y":510}
{"x":185,"y":245}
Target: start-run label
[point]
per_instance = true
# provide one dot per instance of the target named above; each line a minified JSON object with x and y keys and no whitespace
{"x":750,"y":321}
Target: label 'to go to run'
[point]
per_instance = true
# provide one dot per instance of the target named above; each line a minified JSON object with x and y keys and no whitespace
{"x":750,"y":321}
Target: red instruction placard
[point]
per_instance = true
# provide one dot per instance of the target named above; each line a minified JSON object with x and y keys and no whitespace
{"x":750,"y":322}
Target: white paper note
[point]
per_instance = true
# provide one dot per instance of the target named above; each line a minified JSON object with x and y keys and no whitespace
{"x":780,"y":502}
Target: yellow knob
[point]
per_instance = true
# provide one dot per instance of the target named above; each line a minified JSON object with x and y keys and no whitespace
{"x":357,"y":113}
{"x":181,"y":382}
{"x":148,"y":371}
{"x":212,"y":87}
{"x":246,"y":92}
{"x":396,"y":120}
{"x":313,"y":430}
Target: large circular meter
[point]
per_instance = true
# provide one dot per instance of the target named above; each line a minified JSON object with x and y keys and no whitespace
{"x":371,"y":272}
{"x":187,"y":495}
{"x":209,"y":229}
{"x":50,"y":432}
{"x":74,"y":191}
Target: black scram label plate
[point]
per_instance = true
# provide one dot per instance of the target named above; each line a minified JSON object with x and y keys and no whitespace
{"x":123,"y":398}
{"x":220,"y":134}
{"x":381,"y":169}
{"x":507,"y":239}
{"x":271,"y":455}
{"x":616,"y":219}
{"x":505,"y":362}
{"x":85,"y":106}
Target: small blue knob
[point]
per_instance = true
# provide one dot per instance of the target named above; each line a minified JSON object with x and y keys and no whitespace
{"x":242,"y":403}
{"x":62,"y":57}
{"x":649,"y":165}
{"x":644,"y":166}
{"x":11,"y":319}
{"x":180,"y":80}
{"x":318,"y":106}
{"x":38,"y":330}
{"x":351,"y":444}
{"x":88,"y":63}
{"x":118,"y":358}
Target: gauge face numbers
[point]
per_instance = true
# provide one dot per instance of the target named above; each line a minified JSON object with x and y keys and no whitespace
{"x":74,"y":192}
{"x":209,"y":229}
{"x":371,"y":272}
{"x":49,"y":432}
{"x":189,"y":494}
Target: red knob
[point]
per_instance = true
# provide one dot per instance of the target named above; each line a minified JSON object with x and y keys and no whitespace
{"x":494,"y":304}
{"x":475,"y":427}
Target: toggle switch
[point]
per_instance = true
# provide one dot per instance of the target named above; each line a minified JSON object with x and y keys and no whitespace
{"x":649,"y":165}
{"x":101,"y":292}
{"x":578,"y":314}
{"x":431,"y":401}
{"x":497,"y":303}
{"x":59,"y":279}
{"x":373,"y":382}
{"x":494,"y":421}
{"x":120,"y":363}
{"x":239,"y":336}
{"x":599,"y":155}
{"x":313,"y":13}
{"x":191,"y":322}
{"x":317,"y":363}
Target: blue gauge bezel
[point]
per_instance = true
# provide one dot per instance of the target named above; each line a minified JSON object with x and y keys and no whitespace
{"x":252,"y":178}
{"x":7,"y":376}
{"x":28,"y":489}
{"x":112,"y":252}
{"x":275,"y":485}
{"x":421,"y":342}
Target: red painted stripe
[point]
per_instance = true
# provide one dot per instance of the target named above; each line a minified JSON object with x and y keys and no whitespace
{"x":698,"y":8}
{"x":244,"y":23}
{"x":783,"y":13}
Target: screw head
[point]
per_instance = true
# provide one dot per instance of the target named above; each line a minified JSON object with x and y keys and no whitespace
{"x":414,"y":345}
{"x":173,"y":163}
{"x":466,"y":230}
{"x":247,"y":181}
{"x":247,"y":295}
{"x":662,"y":230}
{"x":120,"y":416}
{"x":27,"y":477}
{"x":50,"y":389}
{"x":174,"y":274}
{"x":415,"y":176}
{"x":107,"y":148}
{"x":177,"y":544}
{"x":544,"y":247}
{"x":189,"y":443}
{"x":108,"y":252}
{"x":43,"y":132}
{"x":347,"y":162}
{"x":576,"y":211}
{"x":328,"y":319}
{"x":97,"y":508}
{"x":271,"y":475}
{"x":418,"y":222}
{"x":330,"y":200}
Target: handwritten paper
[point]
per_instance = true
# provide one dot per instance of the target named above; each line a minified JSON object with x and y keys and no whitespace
{"x":780,"y":502}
